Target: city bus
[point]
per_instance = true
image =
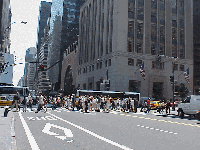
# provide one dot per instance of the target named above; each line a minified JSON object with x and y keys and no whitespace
{"x":7,"y":93}
{"x":113,"y":94}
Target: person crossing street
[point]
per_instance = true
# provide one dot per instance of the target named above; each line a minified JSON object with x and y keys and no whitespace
{"x":41,"y":103}
{"x":16,"y":100}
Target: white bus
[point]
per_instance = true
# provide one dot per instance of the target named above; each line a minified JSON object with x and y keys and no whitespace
{"x":113,"y":94}
{"x":7,"y":93}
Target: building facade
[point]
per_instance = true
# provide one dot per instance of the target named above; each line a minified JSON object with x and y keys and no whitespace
{"x":196,"y":43}
{"x":44,"y":14}
{"x":68,"y":74}
{"x":30,"y":67}
{"x":43,"y":78}
{"x":118,"y":36}
{"x":5,"y":29}
{"x":64,"y":35}
{"x":7,"y":75}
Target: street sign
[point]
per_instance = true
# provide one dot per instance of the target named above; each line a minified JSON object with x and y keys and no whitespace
{"x":68,"y":133}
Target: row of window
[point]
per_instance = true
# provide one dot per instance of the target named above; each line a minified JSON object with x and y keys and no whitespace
{"x":99,"y":65}
{"x":155,"y":64}
{"x":92,"y":48}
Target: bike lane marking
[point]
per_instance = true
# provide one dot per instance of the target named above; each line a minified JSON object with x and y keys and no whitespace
{"x":31,"y":139}
{"x":92,"y":133}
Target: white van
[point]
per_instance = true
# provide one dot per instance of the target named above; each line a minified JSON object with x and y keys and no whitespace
{"x":190,"y":106}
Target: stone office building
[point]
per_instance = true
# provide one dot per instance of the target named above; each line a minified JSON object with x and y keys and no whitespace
{"x":118,"y":36}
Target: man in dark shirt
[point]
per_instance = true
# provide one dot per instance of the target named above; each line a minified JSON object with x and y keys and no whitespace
{"x":16,"y":99}
{"x":135,"y":104}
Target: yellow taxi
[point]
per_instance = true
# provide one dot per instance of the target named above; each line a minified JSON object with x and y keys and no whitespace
{"x":4,"y":101}
{"x":154,"y":104}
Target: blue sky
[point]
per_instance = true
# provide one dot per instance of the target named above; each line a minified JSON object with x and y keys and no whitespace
{"x":23,"y":36}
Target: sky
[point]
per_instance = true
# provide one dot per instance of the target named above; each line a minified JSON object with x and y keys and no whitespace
{"x":23,"y":36}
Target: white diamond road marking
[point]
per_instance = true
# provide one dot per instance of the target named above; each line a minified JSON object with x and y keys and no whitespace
{"x":93,"y":134}
{"x":68,"y":132}
{"x":156,"y":129}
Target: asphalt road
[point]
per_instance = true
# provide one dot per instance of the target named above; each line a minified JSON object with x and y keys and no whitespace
{"x":61,"y":129}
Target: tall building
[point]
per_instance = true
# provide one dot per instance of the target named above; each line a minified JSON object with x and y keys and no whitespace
{"x":44,"y":82}
{"x":44,"y":14}
{"x":117,"y":37}
{"x":196,"y":44}
{"x":68,"y":10}
{"x":30,"y":67}
{"x":5,"y":29}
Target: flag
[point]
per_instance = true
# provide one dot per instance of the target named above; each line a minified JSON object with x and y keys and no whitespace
{"x":142,"y":71}
{"x":187,"y":77}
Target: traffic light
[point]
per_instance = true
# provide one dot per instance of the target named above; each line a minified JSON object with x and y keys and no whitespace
{"x":171,"y":78}
{"x":41,"y":67}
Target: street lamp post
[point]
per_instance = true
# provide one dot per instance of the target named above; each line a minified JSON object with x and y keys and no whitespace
{"x":173,"y":89}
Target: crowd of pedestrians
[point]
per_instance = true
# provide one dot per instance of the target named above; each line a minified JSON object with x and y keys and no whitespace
{"x":88,"y":103}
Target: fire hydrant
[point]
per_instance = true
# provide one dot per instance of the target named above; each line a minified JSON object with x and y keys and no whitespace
{"x":6,"y":111}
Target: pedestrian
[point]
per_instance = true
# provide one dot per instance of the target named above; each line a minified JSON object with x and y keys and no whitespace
{"x":162,"y":106}
{"x":73,"y":101}
{"x":58,"y":101}
{"x":168,"y":106}
{"x":128,"y":103}
{"x":24,"y":103}
{"x":54,"y":102}
{"x":113,"y":103}
{"x":30,"y":101}
{"x":118,"y":102}
{"x":41,"y":103}
{"x":135,"y":104}
{"x":16,"y":100}
{"x":108,"y":103}
{"x":86,"y":103}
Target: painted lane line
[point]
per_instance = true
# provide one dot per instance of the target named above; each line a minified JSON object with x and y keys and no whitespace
{"x":161,"y":130}
{"x":156,"y":129}
{"x":93,"y":134}
{"x":175,"y":133}
{"x":31,"y":139}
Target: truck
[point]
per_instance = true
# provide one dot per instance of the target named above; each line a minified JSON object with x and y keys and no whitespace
{"x":190,"y":106}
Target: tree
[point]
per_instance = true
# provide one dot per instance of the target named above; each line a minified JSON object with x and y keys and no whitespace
{"x":183,"y":91}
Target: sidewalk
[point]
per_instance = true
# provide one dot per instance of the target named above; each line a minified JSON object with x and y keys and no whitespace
{"x":7,"y":133}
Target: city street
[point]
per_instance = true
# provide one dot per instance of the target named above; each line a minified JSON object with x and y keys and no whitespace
{"x":64,"y":129}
